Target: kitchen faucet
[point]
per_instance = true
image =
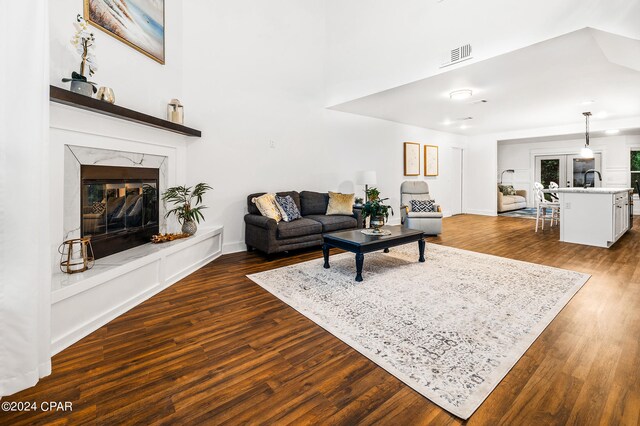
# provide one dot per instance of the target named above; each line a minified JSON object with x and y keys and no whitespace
{"x":594,"y":171}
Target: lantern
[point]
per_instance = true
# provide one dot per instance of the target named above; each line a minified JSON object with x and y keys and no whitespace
{"x":76,"y":255}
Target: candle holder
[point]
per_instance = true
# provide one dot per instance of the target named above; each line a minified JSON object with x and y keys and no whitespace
{"x":175,"y":112}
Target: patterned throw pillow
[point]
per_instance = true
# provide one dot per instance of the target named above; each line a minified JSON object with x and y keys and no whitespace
{"x":288,"y":208}
{"x":268,"y":207}
{"x":507,"y":189}
{"x":340,"y":203}
{"x":98,"y":207}
{"x":423,"y":206}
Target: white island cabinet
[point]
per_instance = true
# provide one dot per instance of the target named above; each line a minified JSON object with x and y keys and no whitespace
{"x":593,"y":216}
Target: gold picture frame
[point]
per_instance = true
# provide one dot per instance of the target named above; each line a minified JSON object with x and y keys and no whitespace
{"x":431,"y":160}
{"x":411,"y":159}
{"x":144,"y":22}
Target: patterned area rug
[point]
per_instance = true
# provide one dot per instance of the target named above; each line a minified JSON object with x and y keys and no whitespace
{"x":450,"y":328}
{"x":528,"y":213}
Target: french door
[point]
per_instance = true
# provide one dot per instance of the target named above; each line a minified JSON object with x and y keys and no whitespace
{"x":567,"y":170}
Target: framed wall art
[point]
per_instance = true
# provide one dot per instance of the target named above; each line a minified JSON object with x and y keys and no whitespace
{"x":137,"y":23}
{"x":411,"y":159}
{"x":430,"y":160}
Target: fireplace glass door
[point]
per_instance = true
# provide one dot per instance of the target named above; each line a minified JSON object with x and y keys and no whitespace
{"x":119,"y":207}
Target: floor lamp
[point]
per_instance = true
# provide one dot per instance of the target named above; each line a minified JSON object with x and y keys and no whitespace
{"x":505,"y":171}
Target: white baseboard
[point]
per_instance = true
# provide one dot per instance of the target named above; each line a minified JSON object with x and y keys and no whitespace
{"x":234,"y":247}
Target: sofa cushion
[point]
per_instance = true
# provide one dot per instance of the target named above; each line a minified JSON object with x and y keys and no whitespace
{"x":313,"y":203}
{"x":340,"y":204}
{"x":334,"y":222}
{"x":425,"y":214}
{"x":513,"y":199}
{"x":298,"y":228}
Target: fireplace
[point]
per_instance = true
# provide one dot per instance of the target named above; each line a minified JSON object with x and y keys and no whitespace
{"x":119,"y":207}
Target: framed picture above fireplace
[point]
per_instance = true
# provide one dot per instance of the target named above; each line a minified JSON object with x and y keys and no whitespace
{"x":137,"y":23}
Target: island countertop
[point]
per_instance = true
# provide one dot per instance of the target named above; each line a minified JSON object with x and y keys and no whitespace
{"x":578,"y":190}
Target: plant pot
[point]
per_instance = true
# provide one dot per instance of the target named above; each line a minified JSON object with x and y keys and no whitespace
{"x":189,"y":227}
{"x":82,"y":88}
{"x":376,"y":223}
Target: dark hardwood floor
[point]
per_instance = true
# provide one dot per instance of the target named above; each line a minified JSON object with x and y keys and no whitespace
{"x":215,"y":348}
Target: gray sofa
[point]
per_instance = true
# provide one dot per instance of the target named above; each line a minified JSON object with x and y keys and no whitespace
{"x":270,"y":236}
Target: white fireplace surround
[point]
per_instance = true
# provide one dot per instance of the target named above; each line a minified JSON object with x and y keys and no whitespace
{"x":75,"y":156}
{"x":81,"y":303}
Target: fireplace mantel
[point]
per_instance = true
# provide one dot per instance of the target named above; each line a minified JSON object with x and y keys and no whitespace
{"x":66,"y":97}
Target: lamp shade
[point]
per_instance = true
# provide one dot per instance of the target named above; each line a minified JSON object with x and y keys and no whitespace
{"x":586,"y":152}
{"x":366,"y":177}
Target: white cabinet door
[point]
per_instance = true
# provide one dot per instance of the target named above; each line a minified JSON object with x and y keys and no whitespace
{"x":620,"y":217}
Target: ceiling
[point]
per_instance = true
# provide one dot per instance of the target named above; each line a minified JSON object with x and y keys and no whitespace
{"x":572,"y":136}
{"x":542,"y":85}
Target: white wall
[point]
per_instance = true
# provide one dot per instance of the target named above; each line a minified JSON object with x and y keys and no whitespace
{"x":615,"y":152}
{"x":378,"y":44}
{"x":139,"y":82}
{"x":262,"y":79}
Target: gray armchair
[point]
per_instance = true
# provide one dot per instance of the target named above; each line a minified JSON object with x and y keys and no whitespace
{"x":429,"y":222}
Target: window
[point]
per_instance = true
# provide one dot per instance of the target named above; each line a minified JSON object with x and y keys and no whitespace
{"x":635,"y":169}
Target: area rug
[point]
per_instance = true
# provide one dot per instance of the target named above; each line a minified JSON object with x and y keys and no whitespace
{"x":450,"y":328}
{"x":527,"y":213}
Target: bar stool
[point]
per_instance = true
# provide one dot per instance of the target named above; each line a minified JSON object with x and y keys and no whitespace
{"x":542,"y":205}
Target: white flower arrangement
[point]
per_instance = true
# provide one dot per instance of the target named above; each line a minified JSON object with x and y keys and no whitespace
{"x":84,"y":42}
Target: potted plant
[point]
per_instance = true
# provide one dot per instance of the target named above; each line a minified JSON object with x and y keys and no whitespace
{"x":373,"y":194}
{"x":188,"y":214}
{"x":84,"y":42}
{"x":376,"y":209}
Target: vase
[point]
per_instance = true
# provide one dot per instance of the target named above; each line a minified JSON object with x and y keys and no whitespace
{"x":189,"y":227}
{"x":376,"y":223}
{"x":82,"y":88}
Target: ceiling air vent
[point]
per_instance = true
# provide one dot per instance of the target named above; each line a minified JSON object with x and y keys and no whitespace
{"x":457,"y":55}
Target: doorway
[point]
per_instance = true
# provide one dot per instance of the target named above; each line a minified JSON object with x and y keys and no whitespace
{"x":567,"y":170}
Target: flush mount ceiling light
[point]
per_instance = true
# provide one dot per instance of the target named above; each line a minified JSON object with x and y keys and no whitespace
{"x":458,"y":95}
{"x":446,"y":122}
{"x":588,"y":102}
{"x":586,"y":152}
{"x":464,"y":126}
{"x":612,"y":131}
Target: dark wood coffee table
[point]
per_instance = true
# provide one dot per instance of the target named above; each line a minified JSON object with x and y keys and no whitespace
{"x":359,"y":243}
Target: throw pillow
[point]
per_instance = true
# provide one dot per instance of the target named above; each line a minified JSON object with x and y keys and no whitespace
{"x":424,"y":206}
{"x":98,"y":207}
{"x":507,"y":189}
{"x":340,"y":203}
{"x":287,"y":208}
{"x":268,"y":207}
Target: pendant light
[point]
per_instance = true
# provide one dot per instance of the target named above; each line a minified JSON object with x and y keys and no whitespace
{"x":586,"y":152}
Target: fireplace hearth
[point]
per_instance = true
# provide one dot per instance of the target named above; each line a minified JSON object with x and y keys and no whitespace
{"x":119,"y":207}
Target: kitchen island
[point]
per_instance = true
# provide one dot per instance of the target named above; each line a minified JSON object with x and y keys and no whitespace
{"x":594,"y":216}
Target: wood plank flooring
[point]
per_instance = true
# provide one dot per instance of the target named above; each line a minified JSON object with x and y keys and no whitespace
{"x":215,"y":348}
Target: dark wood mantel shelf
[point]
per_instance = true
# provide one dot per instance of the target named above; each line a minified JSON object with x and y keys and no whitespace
{"x":66,"y":97}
